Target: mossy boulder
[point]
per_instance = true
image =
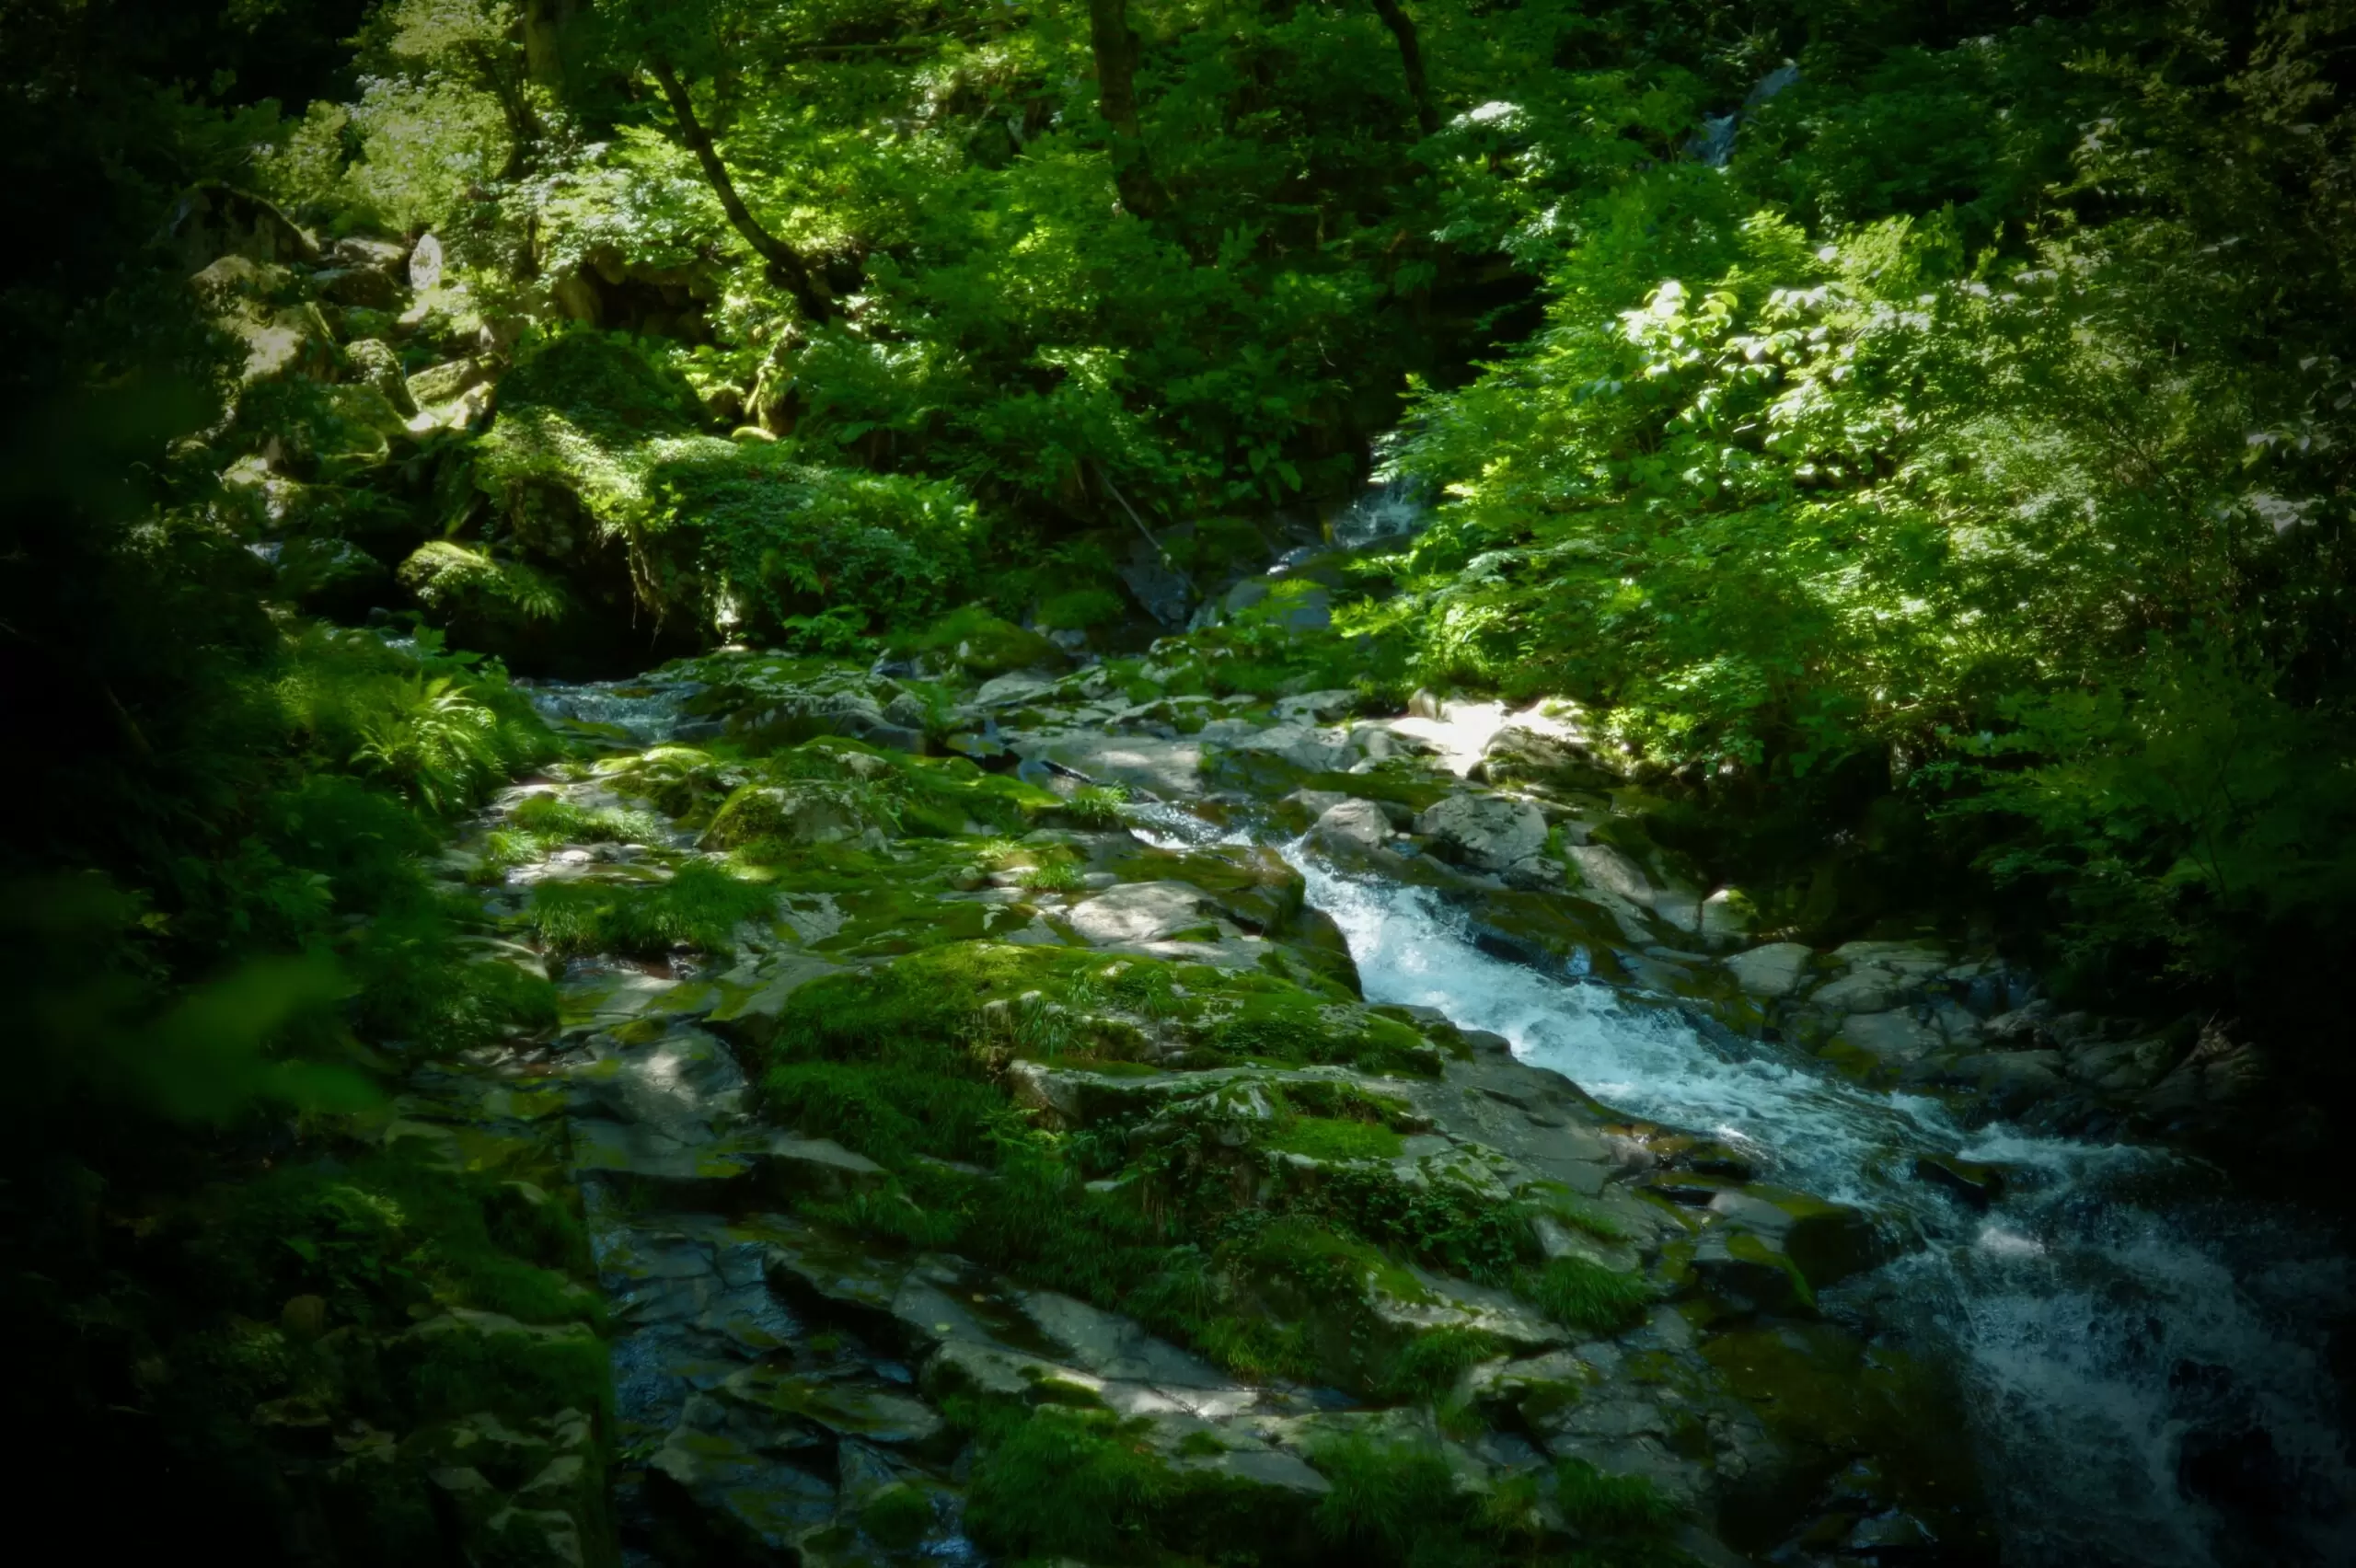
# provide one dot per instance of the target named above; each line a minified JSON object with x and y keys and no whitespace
{"x":1826,"y":1242}
{"x":803,"y":812}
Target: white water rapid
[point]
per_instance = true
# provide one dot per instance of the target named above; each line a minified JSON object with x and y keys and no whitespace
{"x":2142,"y":1358}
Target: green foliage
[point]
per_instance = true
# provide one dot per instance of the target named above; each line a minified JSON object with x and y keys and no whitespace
{"x":2028,"y":546}
{"x":1081,"y":608}
{"x":378,"y":1237}
{"x":1428,"y":1366}
{"x":1097,"y":806}
{"x":1327,"y":1139}
{"x":1597,"y":1504}
{"x":1067,"y":1483}
{"x":1395,"y":1504}
{"x":1583,"y":1295}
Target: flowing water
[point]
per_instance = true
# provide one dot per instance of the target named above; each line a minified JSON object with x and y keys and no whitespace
{"x":2143,"y":1358}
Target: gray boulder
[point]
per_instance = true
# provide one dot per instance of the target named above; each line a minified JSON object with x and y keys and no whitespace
{"x":1772,"y":970}
{"x":1487,"y":831}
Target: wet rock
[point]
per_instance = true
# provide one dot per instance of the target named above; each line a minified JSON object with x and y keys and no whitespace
{"x":751,"y":997}
{"x":446,"y":382}
{"x":212,"y":220}
{"x":1311,"y":749}
{"x":1751,"y":1273}
{"x":684,"y":1084}
{"x":852,"y":1404}
{"x":1908,"y":961}
{"x":727,"y":1475}
{"x":1612,"y":872}
{"x":1485,"y":830}
{"x":1077,"y":1098}
{"x":2006,"y":1083}
{"x":1774,"y":970}
{"x":1977,"y":1185}
{"x":1012,"y":690}
{"x":1161,"y":768}
{"x":1862,"y":991}
{"x":820,"y":1168}
{"x":1317,"y":707}
{"x":1351,"y":827}
{"x":1827,"y":1242}
{"x":1114,"y":1347}
{"x":1895,"y":1037}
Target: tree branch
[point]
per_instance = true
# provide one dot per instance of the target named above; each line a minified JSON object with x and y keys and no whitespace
{"x":786,"y":267}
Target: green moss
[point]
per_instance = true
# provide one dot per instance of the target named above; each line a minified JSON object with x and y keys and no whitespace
{"x":1444,"y":1227}
{"x":1396,"y":1505}
{"x":555,"y":819}
{"x":897,"y":1517}
{"x":800,"y":811}
{"x":380,"y":1237}
{"x":1054,"y":876}
{"x":921,"y":1003}
{"x":679,"y":781}
{"x":1081,"y":608}
{"x":1067,"y":1483}
{"x":700,"y":906}
{"x":1273,"y":1020}
{"x":453,"y":1365}
{"x":1324,"y":1137}
{"x":1564,"y":1204}
{"x":984,"y":643}
{"x":888,"y":1112}
{"x":1428,"y":1366}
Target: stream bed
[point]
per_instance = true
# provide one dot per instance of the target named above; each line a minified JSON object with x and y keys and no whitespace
{"x":2143,"y":1357}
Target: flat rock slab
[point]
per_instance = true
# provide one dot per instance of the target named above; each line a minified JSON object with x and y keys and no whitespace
{"x":1161,"y":768}
{"x":1772,"y":970}
{"x":1141,"y":912}
{"x":1115,"y":1347}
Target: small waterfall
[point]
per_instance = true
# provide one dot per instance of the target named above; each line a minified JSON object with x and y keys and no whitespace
{"x":2146,"y":1360}
{"x":1389,"y":509}
{"x":648,"y":713}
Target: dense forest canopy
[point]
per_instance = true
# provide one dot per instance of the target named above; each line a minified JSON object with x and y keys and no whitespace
{"x":1915,"y":435}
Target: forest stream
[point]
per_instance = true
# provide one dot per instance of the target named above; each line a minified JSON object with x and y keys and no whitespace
{"x":1901,"y":1330}
{"x":1424,"y":784}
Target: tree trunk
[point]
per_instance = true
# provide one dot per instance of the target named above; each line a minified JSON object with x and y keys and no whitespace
{"x":786,"y":267}
{"x":1116,"y":99}
{"x":544,"y":25}
{"x":1411,"y":61}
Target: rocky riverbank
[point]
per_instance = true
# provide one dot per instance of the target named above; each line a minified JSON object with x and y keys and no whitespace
{"x":1303,"y":1253}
